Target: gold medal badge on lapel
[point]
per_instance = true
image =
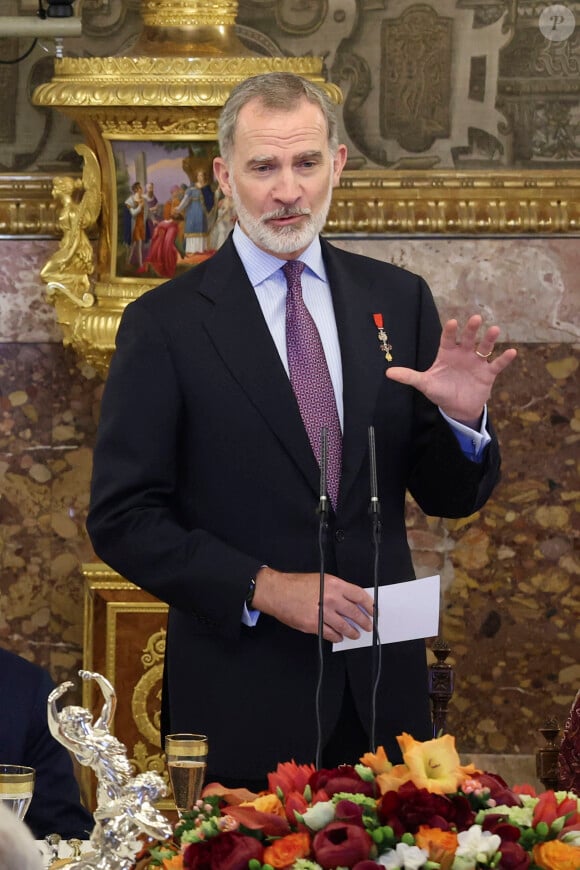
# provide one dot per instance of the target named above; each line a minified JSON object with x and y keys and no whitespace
{"x":383,"y":337}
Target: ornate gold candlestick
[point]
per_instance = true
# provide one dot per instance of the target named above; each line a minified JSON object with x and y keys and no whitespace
{"x":169,"y":91}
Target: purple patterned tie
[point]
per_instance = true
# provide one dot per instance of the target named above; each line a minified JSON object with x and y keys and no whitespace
{"x":310,"y":377}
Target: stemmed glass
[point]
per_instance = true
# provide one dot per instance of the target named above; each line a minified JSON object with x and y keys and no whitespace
{"x":186,"y":756}
{"x":16,"y":787}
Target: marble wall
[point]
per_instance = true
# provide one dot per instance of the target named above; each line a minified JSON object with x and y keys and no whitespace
{"x":511,"y":608}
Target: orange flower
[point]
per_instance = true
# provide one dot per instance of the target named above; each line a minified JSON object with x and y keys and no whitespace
{"x":433,"y":764}
{"x":440,"y":845}
{"x":377,"y":761}
{"x":266,"y":803}
{"x":555,"y":855}
{"x":284,"y":852}
{"x":175,"y":863}
{"x":394,"y":779}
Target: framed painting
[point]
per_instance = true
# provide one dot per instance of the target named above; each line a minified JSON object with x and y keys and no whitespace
{"x":170,"y":214}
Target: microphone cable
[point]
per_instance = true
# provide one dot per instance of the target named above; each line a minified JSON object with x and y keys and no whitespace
{"x":376,"y":526}
{"x":323,"y":508}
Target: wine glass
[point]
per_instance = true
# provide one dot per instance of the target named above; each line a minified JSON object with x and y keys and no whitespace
{"x":16,"y":787}
{"x":186,"y":756}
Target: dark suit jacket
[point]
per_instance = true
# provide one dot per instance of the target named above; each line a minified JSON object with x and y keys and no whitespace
{"x":203,"y":473}
{"x":25,"y":739}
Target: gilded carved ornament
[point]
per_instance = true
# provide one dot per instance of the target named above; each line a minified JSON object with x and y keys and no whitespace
{"x":79,"y":205}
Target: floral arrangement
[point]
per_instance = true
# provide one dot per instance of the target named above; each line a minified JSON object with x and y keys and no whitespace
{"x":429,"y":813}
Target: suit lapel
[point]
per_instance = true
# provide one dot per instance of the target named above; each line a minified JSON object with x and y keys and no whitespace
{"x":242,"y":339}
{"x":363,"y":364}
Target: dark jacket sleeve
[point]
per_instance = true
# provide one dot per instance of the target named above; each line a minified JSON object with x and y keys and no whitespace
{"x":135,"y":521}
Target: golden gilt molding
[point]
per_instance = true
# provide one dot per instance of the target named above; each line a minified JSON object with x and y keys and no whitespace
{"x":433,"y":202}
{"x":27,"y":207}
{"x":145,"y":82}
{"x":370,"y":201}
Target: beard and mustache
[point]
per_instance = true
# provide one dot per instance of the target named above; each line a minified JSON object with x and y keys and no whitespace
{"x":282,"y":239}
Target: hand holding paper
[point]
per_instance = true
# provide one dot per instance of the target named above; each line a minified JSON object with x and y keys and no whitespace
{"x":406,"y":611}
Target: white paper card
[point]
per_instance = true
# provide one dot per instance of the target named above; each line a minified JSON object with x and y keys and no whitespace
{"x":406,"y":611}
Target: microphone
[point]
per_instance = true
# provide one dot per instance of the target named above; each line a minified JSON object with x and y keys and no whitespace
{"x":323,"y":508}
{"x":375,"y":514}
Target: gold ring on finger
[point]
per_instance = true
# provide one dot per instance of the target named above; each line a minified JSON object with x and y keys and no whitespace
{"x":483,"y":355}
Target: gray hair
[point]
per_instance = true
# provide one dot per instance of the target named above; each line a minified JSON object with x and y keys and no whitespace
{"x":274,"y":91}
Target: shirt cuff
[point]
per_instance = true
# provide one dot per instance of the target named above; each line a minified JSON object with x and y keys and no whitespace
{"x":472,"y":443}
{"x":250,"y":617}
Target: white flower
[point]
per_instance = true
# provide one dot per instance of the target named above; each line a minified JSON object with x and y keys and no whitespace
{"x":319,"y":816}
{"x":404,"y":858}
{"x":528,"y":801}
{"x":475,"y":847}
{"x":572,"y":838}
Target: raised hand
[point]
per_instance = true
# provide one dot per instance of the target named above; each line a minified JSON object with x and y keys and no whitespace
{"x":463,"y":373}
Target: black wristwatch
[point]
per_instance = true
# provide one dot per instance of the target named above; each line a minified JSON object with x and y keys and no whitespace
{"x":250,"y":595}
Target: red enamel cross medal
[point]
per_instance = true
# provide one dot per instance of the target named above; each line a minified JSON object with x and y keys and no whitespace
{"x":383,"y":337}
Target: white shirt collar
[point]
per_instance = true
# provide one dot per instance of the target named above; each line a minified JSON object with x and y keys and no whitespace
{"x":260,"y":265}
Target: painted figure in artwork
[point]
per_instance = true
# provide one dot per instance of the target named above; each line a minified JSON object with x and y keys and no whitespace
{"x":196,"y":206}
{"x":134,"y":226}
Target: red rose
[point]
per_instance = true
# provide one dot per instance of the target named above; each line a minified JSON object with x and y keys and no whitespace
{"x":513,"y":857}
{"x":410,"y":807}
{"x":229,"y":851}
{"x":368,"y":865}
{"x":496,"y":824}
{"x":348,"y":811}
{"x":498,"y":790}
{"x":339,"y":844}
{"x":343,"y":778}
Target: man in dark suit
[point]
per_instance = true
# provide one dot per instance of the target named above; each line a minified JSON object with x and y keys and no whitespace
{"x":25,"y":739}
{"x":206,"y":480}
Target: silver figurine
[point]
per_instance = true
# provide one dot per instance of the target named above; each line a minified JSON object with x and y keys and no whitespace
{"x":125,"y":803}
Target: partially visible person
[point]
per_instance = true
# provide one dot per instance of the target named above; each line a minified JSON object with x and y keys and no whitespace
{"x":17,"y":846}
{"x":25,"y":739}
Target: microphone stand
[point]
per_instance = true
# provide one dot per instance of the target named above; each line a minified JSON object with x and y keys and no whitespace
{"x":375,"y":514}
{"x":323,"y":509}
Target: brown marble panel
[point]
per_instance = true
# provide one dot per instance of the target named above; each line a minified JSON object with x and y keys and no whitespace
{"x":47,"y":423}
{"x":511,"y":608}
{"x":25,"y":315}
